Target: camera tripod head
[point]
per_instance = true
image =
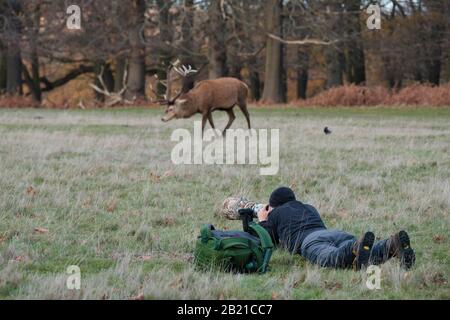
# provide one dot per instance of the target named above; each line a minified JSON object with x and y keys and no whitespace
{"x":246,"y":215}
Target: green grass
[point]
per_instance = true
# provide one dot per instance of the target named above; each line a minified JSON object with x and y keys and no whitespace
{"x":88,"y":177}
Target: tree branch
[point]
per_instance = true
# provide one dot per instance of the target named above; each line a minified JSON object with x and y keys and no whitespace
{"x":50,"y":85}
{"x":301,"y":42}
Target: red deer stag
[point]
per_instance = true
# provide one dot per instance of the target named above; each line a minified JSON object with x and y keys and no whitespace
{"x":207,"y":96}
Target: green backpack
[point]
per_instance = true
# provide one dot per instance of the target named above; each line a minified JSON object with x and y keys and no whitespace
{"x":239,"y":251}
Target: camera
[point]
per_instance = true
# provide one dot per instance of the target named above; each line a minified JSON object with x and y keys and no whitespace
{"x":256,"y":208}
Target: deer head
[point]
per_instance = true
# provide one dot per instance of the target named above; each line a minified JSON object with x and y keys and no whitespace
{"x":177,"y":109}
{"x":174,"y":104}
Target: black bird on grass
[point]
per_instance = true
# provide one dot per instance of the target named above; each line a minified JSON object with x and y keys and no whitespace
{"x":327,"y":131}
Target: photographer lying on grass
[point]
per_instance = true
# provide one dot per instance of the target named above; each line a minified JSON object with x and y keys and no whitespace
{"x":298,"y":228}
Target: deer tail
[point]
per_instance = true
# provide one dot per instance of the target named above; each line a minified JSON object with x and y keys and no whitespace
{"x":247,"y":88}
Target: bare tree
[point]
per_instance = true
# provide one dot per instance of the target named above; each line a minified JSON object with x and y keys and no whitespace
{"x":165,"y":40}
{"x":13,"y":51}
{"x":334,"y":55}
{"x":187,"y":42}
{"x":136,"y":68}
{"x":355,"y":68}
{"x":274,"y":81}
{"x":216,"y":37}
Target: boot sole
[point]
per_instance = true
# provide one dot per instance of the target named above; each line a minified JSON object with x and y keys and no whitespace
{"x":406,"y":254}
{"x":364,"y":249}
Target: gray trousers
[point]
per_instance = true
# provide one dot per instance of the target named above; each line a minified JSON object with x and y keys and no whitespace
{"x":334,"y":249}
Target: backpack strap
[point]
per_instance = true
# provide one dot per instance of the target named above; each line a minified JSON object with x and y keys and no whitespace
{"x":266,"y":243}
{"x":205,"y":232}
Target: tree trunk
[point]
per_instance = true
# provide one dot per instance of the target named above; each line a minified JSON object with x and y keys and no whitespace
{"x":217,"y":45}
{"x":3,"y":67}
{"x":13,"y":52}
{"x":255,"y":81}
{"x":434,"y":61}
{"x":119,"y":74}
{"x":33,"y":80}
{"x":36,"y":91}
{"x":14,"y":70}
{"x":355,"y":61}
{"x":136,"y":67}
{"x":165,"y":38}
{"x":448,"y":67}
{"x":302,"y":74}
{"x":234,"y":69}
{"x":274,"y":81}
{"x":187,"y":44}
{"x":34,"y":57}
{"x":334,"y":67}
{"x":355,"y":64}
{"x":234,"y":61}
{"x":434,"y":71}
{"x":3,"y":51}
{"x":334,"y":56}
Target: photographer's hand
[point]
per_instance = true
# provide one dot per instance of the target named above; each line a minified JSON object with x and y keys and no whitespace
{"x":263,"y":214}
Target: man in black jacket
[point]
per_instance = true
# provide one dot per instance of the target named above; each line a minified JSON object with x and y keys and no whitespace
{"x":298,"y":228}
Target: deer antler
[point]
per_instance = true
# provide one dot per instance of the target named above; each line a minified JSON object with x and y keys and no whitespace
{"x":103,"y":91}
{"x":112,"y":98}
{"x":183,"y":71}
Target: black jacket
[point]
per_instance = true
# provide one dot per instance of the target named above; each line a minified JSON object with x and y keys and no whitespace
{"x":290,"y":223}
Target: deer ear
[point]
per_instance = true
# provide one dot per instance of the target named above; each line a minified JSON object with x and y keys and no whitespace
{"x":182,"y":101}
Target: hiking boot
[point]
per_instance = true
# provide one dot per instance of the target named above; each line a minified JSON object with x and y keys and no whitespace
{"x":399,"y":246}
{"x":361,"y":250}
{"x":230,"y":207}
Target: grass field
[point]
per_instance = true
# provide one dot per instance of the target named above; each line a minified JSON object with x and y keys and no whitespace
{"x":97,"y":189}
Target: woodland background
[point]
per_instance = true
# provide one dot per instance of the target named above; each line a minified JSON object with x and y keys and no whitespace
{"x":342,"y":62}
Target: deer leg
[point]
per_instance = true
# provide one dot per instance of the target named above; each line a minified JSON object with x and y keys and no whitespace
{"x":230,"y":121}
{"x":210,"y":119}
{"x":243,"y":107}
{"x":204,"y":118}
{"x":211,"y":122}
